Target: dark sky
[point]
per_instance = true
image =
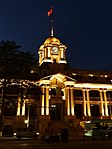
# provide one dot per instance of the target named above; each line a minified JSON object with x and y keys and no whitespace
{"x":85,"y":26}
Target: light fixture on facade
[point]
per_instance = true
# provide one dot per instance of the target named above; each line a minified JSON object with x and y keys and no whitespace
{"x":31,"y":71}
{"x":74,"y":74}
{"x":26,"y":121}
{"x":91,"y":75}
{"x":53,"y":106}
{"x":105,"y":76}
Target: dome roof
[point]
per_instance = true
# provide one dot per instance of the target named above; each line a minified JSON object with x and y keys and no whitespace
{"x":51,"y":39}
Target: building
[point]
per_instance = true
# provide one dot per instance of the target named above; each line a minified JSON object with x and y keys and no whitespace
{"x":64,"y":96}
{"x":70,"y":95}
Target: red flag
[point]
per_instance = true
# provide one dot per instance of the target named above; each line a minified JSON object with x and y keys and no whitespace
{"x":50,"y":12}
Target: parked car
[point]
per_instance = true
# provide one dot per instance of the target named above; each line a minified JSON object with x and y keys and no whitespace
{"x":96,"y":132}
{"x":99,"y":132}
{"x":26,"y":133}
{"x":109,"y":133}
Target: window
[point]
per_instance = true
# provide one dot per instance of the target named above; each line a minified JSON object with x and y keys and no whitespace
{"x":77,"y":77}
{"x":78,"y":110}
{"x":77,"y":93}
{"x":94,"y":93}
{"x":52,"y":92}
{"x":95,"y":110}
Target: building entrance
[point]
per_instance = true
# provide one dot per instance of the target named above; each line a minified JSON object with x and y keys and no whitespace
{"x":56,"y":111}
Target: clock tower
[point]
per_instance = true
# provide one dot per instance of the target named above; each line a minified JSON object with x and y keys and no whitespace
{"x":52,"y":51}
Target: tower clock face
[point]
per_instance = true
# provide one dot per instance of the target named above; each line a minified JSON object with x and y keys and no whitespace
{"x":55,"y":49}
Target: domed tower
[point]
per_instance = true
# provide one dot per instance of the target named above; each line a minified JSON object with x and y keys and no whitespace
{"x":52,"y":51}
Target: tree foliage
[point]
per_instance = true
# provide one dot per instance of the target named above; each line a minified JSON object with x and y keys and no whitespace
{"x":13,"y":62}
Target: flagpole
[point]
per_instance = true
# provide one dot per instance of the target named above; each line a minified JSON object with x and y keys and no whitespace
{"x":52,"y":23}
{"x":50,"y":13}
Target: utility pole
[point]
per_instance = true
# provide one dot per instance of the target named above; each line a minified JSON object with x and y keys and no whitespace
{"x":2,"y":105}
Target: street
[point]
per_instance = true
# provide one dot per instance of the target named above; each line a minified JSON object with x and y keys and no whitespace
{"x":33,"y":144}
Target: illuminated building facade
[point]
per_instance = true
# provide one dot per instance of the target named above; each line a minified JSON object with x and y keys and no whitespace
{"x":67,"y":96}
{"x":70,"y":95}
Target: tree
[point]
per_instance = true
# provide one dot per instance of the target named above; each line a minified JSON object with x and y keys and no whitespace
{"x":14,"y":63}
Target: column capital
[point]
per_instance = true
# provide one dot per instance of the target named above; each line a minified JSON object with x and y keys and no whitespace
{"x":87,"y":90}
{"x":104,"y":91}
{"x":100,"y":90}
{"x":43,"y":86}
{"x":67,"y":87}
{"x":83,"y":89}
{"x":71,"y":87}
{"x":47,"y":87}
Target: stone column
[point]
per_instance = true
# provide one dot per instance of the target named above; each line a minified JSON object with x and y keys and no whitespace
{"x":43,"y":101}
{"x":18,"y":106}
{"x":84,"y":102}
{"x":64,"y":54}
{"x":40,"y":57}
{"x":101,"y":99}
{"x":110,"y":113}
{"x":67,"y":102}
{"x":23,"y":108}
{"x":45,"y":53}
{"x":106,"y":107}
{"x":88,"y":103}
{"x":72,"y":102}
{"x":47,"y":100}
{"x":49,"y":54}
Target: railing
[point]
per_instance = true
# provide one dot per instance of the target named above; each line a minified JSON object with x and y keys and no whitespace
{"x":94,"y":98}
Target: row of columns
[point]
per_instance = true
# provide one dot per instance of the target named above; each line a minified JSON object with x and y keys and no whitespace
{"x":45,"y":101}
{"x":46,"y":54}
{"x":103,"y":103}
{"x":69,"y":99}
{"x":69,"y":102}
{"x":20,"y":108}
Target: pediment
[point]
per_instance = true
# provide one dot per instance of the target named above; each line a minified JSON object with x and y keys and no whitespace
{"x":58,"y":79}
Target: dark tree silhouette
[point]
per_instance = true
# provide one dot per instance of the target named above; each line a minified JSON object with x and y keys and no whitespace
{"x":13,"y":62}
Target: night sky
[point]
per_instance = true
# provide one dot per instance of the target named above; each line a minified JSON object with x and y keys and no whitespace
{"x":85,"y":26}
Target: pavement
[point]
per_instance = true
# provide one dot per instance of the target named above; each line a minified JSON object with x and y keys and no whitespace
{"x":73,"y":137}
{"x":77,"y":136}
{"x":12,"y":139}
{"x":8,"y":138}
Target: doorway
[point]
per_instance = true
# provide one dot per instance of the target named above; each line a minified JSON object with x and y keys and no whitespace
{"x":56,"y":111}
